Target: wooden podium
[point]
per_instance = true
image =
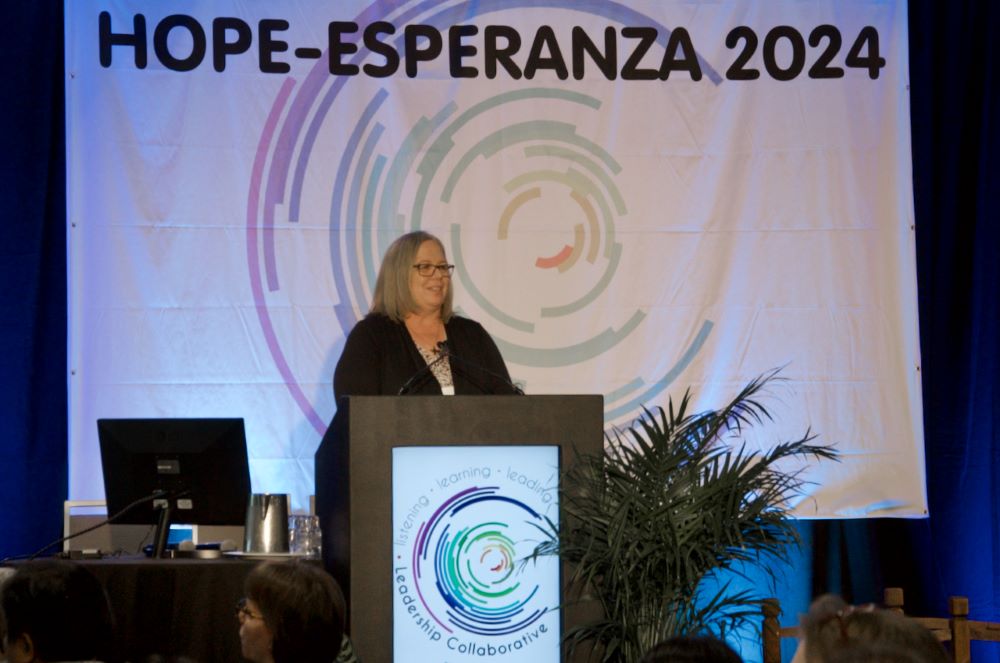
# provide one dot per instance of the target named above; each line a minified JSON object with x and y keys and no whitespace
{"x":354,"y":480}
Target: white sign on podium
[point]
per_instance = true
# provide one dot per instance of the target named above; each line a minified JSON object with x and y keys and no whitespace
{"x":464,"y":519}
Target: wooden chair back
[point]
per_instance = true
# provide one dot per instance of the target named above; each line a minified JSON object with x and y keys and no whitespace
{"x":956,"y":630}
{"x":772,"y":632}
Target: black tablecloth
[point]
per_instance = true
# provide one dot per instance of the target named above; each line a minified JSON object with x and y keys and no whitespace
{"x":184,"y":607}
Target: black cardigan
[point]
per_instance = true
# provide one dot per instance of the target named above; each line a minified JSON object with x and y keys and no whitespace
{"x":380,"y":356}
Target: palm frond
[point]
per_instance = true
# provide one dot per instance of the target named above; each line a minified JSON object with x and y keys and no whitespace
{"x":674,"y":499}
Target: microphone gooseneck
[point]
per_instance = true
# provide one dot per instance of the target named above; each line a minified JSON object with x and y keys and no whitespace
{"x":424,"y":370}
{"x":445,"y":351}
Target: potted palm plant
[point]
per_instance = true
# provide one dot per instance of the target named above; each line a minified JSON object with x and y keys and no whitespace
{"x":671,"y":501}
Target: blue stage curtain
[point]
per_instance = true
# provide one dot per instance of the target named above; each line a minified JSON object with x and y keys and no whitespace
{"x":32,"y":277}
{"x":956,"y":179}
{"x":956,"y":171}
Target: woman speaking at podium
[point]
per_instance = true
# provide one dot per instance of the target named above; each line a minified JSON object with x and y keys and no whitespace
{"x":411,"y":342}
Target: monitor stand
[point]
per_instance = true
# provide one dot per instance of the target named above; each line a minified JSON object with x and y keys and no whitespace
{"x":162,"y":531}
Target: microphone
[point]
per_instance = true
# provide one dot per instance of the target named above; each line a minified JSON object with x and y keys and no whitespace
{"x":424,"y":370}
{"x":446,"y":352}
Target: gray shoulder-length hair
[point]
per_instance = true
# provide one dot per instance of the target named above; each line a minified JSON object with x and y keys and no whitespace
{"x":392,"y":296}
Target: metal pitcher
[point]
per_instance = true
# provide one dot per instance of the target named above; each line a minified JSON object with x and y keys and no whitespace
{"x":267,"y":524}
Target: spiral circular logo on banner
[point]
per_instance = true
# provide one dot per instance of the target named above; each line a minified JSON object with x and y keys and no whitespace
{"x":521,"y":180}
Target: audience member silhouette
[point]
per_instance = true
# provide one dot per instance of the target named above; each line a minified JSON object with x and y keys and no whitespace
{"x":293,"y":613}
{"x":873,"y":653}
{"x":835,"y":632}
{"x":54,"y":611}
{"x":692,"y":649}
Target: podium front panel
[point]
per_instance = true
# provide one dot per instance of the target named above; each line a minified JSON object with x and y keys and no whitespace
{"x":354,"y":482}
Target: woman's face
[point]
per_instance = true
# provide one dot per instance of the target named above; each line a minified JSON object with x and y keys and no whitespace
{"x":429,"y":292}
{"x":18,"y":651}
{"x":255,"y":637}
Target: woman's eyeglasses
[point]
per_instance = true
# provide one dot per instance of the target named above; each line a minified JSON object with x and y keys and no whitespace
{"x":244,"y":613}
{"x":428,"y":269}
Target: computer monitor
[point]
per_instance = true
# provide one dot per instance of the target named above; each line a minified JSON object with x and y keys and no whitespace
{"x":201,"y":465}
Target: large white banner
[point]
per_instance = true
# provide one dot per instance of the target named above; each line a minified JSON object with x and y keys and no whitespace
{"x":639,"y":197}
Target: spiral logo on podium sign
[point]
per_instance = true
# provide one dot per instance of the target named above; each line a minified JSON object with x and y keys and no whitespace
{"x":464,"y":564}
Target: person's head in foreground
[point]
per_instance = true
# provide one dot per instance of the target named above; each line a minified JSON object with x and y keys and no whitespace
{"x":692,"y":649}
{"x":292,"y":613}
{"x":54,"y":611}
{"x":834,"y":631}
{"x":874,"y":653}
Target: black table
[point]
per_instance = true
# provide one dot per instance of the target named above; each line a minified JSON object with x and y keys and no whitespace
{"x":182,"y":607}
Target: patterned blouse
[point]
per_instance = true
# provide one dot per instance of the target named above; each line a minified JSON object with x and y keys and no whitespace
{"x":441,"y":370}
